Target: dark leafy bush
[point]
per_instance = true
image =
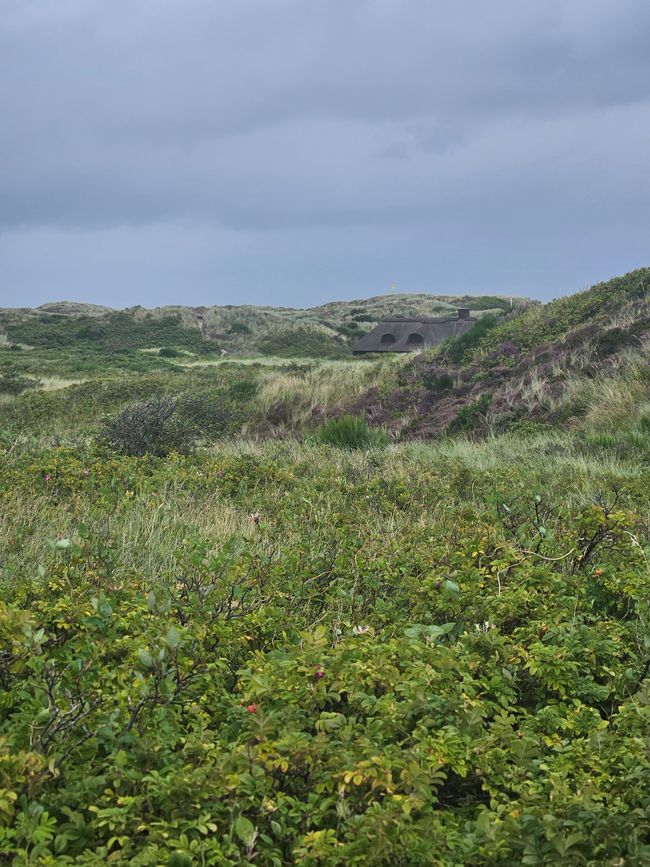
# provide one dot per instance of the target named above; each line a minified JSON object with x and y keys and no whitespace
{"x":206,"y":414}
{"x":239,"y":327}
{"x":437,"y":381}
{"x":164,"y":424}
{"x":470,"y":416}
{"x":350,"y":432}
{"x":457,"y":348}
{"x":168,"y":352}
{"x":155,"y":427}
{"x":243,"y":389}
{"x":302,"y":343}
{"x":14,"y":383}
{"x":612,"y":340}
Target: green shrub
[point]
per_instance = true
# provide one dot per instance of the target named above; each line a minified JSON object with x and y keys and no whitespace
{"x":164,"y":424}
{"x":552,"y":321}
{"x":437,"y":381}
{"x":350,"y":432}
{"x":470,"y":416}
{"x":243,"y":389}
{"x":14,"y":383}
{"x":301,"y":343}
{"x":168,"y":352}
{"x":239,"y":327}
{"x":457,"y":348}
{"x":155,"y":427}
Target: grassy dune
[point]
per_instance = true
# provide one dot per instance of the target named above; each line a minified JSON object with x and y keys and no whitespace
{"x":428,"y":648}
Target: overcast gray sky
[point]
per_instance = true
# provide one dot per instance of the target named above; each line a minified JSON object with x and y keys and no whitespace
{"x":296,"y":151}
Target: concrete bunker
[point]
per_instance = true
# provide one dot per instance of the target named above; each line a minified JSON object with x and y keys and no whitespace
{"x":413,"y":334}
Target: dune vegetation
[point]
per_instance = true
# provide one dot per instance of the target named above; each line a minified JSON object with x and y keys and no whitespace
{"x":328,"y":611}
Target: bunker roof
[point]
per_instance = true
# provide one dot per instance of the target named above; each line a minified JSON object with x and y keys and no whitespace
{"x":405,"y":334}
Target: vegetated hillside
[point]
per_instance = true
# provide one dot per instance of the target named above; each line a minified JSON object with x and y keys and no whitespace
{"x":580,"y":358}
{"x":220,"y":647}
{"x":319,"y":332}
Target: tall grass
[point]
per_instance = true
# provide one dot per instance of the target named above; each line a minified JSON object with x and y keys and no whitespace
{"x":291,"y":400}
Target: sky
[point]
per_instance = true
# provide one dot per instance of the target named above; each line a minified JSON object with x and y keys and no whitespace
{"x":291,"y":152}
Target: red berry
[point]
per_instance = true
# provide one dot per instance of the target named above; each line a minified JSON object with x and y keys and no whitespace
{"x":319,"y":673}
{"x":252,"y":708}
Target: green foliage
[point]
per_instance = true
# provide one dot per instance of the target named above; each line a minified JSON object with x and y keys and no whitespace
{"x":279,"y":653}
{"x":13,"y":383}
{"x":163,"y":425}
{"x":387,"y":658}
{"x":116,"y":332}
{"x":437,"y":381}
{"x":350,"y":432}
{"x":301,"y":343}
{"x":470,"y":416}
{"x":168,"y":352}
{"x":239,"y":327}
{"x":552,"y":321}
{"x":455,"y":349}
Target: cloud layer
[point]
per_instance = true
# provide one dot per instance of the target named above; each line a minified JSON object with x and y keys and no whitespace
{"x":221,"y":151}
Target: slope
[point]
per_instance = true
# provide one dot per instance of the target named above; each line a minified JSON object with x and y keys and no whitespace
{"x":579,"y":359}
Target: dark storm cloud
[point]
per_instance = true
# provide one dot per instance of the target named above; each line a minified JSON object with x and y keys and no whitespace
{"x":295,"y":149}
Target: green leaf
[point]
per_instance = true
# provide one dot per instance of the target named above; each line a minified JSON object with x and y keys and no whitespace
{"x":102,"y":607}
{"x":173,"y":637}
{"x":245,"y":830}
{"x":62,"y":543}
{"x":144,"y":658}
{"x":429,"y":632}
{"x":451,"y":587}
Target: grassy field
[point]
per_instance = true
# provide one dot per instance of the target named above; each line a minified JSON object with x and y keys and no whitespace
{"x":247,"y":645}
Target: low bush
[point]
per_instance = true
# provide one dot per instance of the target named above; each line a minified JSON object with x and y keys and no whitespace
{"x":164,"y":425}
{"x":239,"y":327}
{"x":350,"y":432}
{"x":168,"y":352}
{"x":470,"y":416}
{"x":154,"y":427}
{"x":14,"y":383}
{"x":301,"y":343}
{"x":457,"y":348}
{"x":437,"y":381}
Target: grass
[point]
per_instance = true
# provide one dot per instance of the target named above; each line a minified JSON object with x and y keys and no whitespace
{"x":292,"y":400}
{"x":350,"y":432}
{"x":275,"y":650}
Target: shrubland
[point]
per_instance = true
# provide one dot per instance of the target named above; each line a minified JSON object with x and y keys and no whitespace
{"x":291,"y":653}
{"x":80,"y":332}
{"x":240,"y":625}
{"x":570,"y":363}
